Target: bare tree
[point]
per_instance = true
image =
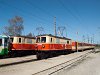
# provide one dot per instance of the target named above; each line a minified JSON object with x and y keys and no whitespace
{"x":30,"y":34}
{"x":15,"y":26}
{"x":40,"y":30}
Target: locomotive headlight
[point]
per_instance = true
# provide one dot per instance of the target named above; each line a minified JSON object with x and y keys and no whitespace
{"x":43,"y":46}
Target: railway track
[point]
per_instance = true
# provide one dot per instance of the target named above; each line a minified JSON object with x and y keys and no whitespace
{"x":55,"y":69}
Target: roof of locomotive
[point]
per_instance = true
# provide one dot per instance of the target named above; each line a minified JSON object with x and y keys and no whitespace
{"x":24,"y":37}
{"x":4,"y":36}
{"x":54,"y":36}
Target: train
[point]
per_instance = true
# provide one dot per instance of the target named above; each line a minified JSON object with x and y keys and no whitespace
{"x":49,"y":45}
{"x":43,"y":46}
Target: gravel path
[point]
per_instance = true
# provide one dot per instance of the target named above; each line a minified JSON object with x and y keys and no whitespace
{"x":89,"y":66}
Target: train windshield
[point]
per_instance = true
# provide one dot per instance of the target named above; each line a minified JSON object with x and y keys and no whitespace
{"x":11,"y":40}
{"x":0,"y":42}
{"x":38,"y":40}
{"x":41,"y":40}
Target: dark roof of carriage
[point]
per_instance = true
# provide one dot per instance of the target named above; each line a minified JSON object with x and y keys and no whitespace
{"x":23,"y":36}
{"x":54,"y":36}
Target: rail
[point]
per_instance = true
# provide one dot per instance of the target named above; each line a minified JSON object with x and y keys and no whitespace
{"x":59,"y":67}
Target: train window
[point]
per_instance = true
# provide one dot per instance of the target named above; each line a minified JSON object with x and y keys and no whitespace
{"x":0,"y":42}
{"x":43,"y":39}
{"x":38,"y":40}
{"x":23,"y":40}
{"x":67,"y":42}
{"x":29,"y":40}
{"x":51,"y":40}
{"x":19,"y":40}
{"x":57,"y":40}
{"x":11,"y":39}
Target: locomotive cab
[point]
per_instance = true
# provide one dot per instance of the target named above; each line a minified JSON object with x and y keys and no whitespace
{"x":41,"y":39}
{"x":4,"y":42}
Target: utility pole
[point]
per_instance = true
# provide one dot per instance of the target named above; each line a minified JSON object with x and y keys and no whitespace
{"x":77,"y":42}
{"x":99,"y":33}
{"x":83,"y":38}
{"x":66,"y":31}
{"x":55,"y":26}
{"x":88,"y":39}
{"x":83,"y":41}
{"x":66,"y":34}
{"x":91,"y":40}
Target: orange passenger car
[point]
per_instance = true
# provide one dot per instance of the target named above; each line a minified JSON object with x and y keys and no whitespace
{"x":80,"y":46}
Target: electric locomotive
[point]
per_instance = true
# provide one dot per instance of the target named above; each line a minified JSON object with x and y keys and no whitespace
{"x":49,"y":45}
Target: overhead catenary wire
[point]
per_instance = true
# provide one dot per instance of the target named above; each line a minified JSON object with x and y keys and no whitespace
{"x":41,"y":9}
{"x":31,"y":15}
{"x":33,"y":5}
{"x":24,"y":12}
{"x":16,"y":9}
{"x":68,"y":10}
{"x":71,"y":13}
{"x":77,"y":17}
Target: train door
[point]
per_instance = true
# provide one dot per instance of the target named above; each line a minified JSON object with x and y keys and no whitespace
{"x":76,"y":45}
{"x":6,"y":44}
{"x":3,"y":46}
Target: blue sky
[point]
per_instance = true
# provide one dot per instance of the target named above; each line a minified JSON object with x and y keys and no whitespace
{"x":82,"y":16}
